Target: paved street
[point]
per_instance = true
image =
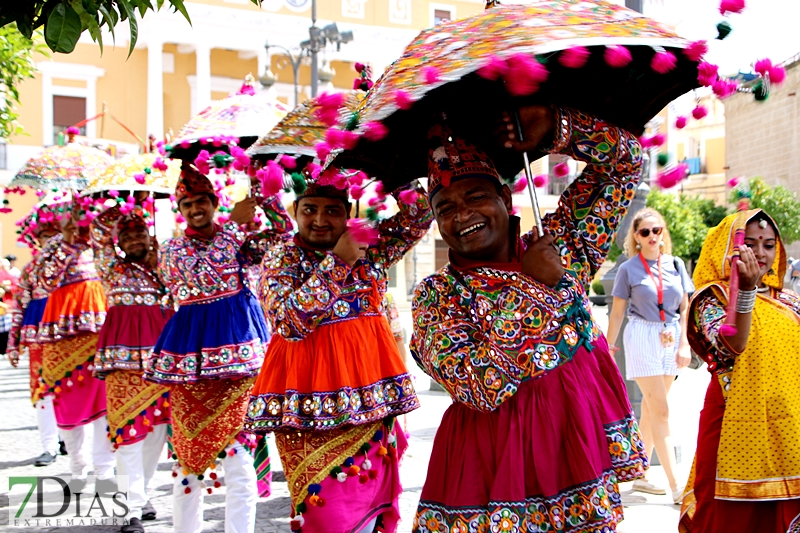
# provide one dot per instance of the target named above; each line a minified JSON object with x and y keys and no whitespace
{"x":19,"y":444}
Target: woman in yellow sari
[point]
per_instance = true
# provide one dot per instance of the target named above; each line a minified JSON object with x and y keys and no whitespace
{"x":746,"y":476}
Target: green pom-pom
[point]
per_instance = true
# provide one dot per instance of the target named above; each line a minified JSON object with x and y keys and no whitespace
{"x":168,"y":148}
{"x":174,"y":457}
{"x":335,"y":471}
{"x":298,"y":183}
{"x":200,"y":477}
{"x":372,"y":215}
{"x":352,"y":123}
{"x":131,"y":422}
{"x":301,"y":508}
{"x":69,"y":374}
{"x":723,"y":30}
{"x":663,"y":159}
{"x":148,"y":170}
{"x":221,"y":455}
{"x":365,"y":447}
{"x":759,"y":92}
{"x":5,"y":201}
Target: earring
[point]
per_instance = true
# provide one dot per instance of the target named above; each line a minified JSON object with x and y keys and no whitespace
{"x":638,"y":246}
{"x":661,"y":244}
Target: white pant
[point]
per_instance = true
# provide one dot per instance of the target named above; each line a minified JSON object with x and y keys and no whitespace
{"x":138,"y":461}
{"x":48,"y":428}
{"x":102,"y":451}
{"x":240,"y":499}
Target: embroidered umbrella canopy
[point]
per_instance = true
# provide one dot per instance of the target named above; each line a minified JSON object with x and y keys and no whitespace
{"x":591,"y":55}
{"x":300,"y":131}
{"x":237,"y":120}
{"x":140,"y":172}
{"x":68,"y":167}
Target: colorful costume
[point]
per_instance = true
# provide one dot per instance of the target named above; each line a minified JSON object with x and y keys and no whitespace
{"x":333,"y":379}
{"x":138,"y":308}
{"x":746,"y":476}
{"x":73,"y":316}
{"x":209,"y":353}
{"x":541,"y":431}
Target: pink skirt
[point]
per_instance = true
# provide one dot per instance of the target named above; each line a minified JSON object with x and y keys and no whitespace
{"x":128,"y":336}
{"x":548,"y":459}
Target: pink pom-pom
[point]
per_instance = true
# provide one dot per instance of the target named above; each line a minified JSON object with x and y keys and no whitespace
{"x":670,"y":178}
{"x":762,"y":66}
{"x":358,"y":178}
{"x":361,"y":230}
{"x":323,"y":150}
{"x":430,"y":75}
{"x":699,"y":112}
{"x":524,"y":75}
{"x":680,"y":122}
{"x":271,"y":178}
{"x":113,"y":194}
{"x":731,"y":6}
{"x":541,"y":181}
{"x":777,"y":74}
{"x":356,"y":192}
{"x":657,"y":140}
{"x":561,"y":170}
{"x":617,"y":56}
{"x":403,"y":100}
{"x":349,"y":140}
{"x":331,"y":100}
{"x":159,"y":164}
{"x":201,"y":162}
{"x":288,"y":162}
{"x":663,"y":62}
{"x":357,"y":83}
{"x":408,"y":196}
{"x":707,"y":74}
{"x":140,"y":178}
{"x":574,"y":57}
{"x":696,"y":50}
{"x":359,"y":67}
{"x":728,"y":330}
{"x":494,"y":69}
{"x":375,"y":131}
{"x":520,"y":185}
{"x":72,"y":130}
{"x":734,"y":182}
{"x":335,"y":138}
{"x":723,"y":88}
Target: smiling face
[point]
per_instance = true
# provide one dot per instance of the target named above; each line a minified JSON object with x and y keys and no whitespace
{"x":135,"y":243}
{"x":473,"y":218}
{"x":650,"y":244}
{"x":45,"y":236}
{"x":198,"y":211}
{"x":321,"y":221}
{"x":763,"y":242}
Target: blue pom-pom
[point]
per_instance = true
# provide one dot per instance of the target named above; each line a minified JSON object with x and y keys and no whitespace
{"x":119,"y":431}
{"x":349,"y":462}
{"x":79,"y":367}
{"x":143,"y":413}
{"x":185,"y":481}
{"x":314,"y":488}
{"x":378,"y":436}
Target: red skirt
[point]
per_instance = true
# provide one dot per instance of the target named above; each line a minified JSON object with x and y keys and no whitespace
{"x":710,"y":515}
{"x":548,"y":459}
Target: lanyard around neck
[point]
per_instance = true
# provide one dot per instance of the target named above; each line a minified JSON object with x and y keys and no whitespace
{"x":659,"y":284}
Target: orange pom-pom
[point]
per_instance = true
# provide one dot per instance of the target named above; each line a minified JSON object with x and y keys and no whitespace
{"x":382,"y":451}
{"x":313,"y":500}
{"x":80,"y":377}
{"x":166,"y":403}
{"x":353,"y":470}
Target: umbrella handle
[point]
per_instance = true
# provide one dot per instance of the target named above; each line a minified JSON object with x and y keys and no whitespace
{"x":537,"y":215}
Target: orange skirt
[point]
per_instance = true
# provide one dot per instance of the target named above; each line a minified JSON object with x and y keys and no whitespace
{"x":342,"y":374}
{"x":73,"y":309}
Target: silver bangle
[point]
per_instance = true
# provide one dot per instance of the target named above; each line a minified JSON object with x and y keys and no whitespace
{"x":746,"y":301}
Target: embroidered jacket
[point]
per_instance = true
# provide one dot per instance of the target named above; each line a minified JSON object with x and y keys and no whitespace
{"x":29,"y":288}
{"x":66,"y":264}
{"x":303,"y":288}
{"x":482,"y":330}
{"x":126,"y":283}
{"x":197,"y":270}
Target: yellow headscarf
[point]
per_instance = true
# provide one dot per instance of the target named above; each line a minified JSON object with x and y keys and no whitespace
{"x":759,"y":450}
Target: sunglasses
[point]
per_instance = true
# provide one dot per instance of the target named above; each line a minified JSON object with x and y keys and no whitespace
{"x":645,"y":232}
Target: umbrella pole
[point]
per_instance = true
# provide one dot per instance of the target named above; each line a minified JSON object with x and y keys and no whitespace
{"x":537,"y":215}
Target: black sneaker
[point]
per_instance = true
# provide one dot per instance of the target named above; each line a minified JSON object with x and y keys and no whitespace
{"x":62,"y":448}
{"x":45,"y":459}
{"x":105,"y":486}
{"x":135,"y":526}
{"x":148,"y":511}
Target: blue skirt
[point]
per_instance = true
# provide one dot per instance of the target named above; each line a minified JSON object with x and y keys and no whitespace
{"x":221,"y":339}
{"x":34,"y":312}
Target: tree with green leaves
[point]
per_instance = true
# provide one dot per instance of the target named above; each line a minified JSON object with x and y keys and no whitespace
{"x":16,"y":66}
{"x":65,"y":20}
{"x":780,"y":203}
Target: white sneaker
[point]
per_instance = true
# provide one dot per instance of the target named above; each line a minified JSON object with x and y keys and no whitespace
{"x":677,"y":496}
{"x":642,"y":485}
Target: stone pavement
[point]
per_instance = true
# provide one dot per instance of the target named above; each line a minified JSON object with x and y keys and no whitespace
{"x":19,"y":444}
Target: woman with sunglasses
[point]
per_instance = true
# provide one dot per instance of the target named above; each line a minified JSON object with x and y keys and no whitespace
{"x":654,"y":287}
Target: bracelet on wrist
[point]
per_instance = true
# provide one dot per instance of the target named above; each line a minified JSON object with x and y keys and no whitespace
{"x":746,"y":301}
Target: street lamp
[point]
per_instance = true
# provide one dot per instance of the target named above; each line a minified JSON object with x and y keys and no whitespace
{"x":318,"y":39}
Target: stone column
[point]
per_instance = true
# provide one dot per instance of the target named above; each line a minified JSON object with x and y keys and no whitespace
{"x":203,"y":73}
{"x":155,"y":89}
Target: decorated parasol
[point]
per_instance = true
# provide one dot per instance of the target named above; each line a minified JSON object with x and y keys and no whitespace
{"x":67,"y":167}
{"x":237,"y":120}
{"x":591,"y":55}
{"x":140,"y":172}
